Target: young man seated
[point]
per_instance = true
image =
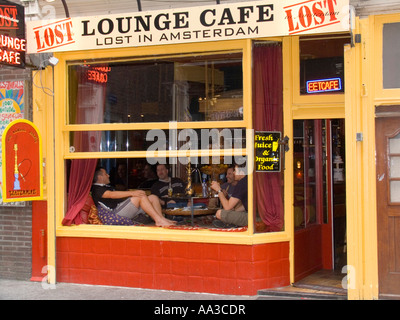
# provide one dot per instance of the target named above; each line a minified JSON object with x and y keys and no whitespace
{"x":128,"y":204}
{"x":229,"y":215}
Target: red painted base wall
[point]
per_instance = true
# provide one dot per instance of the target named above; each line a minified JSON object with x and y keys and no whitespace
{"x":307,"y":251}
{"x":39,"y":240}
{"x":180,"y":266}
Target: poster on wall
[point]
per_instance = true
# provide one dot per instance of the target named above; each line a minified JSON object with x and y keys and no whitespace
{"x":22,"y":165}
{"x":267,"y":151}
{"x":11,"y":108}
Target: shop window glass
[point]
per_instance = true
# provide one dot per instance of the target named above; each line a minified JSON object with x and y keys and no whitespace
{"x":268,"y":187}
{"x":305,"y":187}
{"x":139,"y":173}
{"x":170,"y":90}
{"x":394,"y":191}
{"x":394,"y":144}
{"x":201,"y":88}
{"x":322,"y":65}
{"x":319,"y":185}
{"x":133,"y":172}
{"x":391,"y":53}
{"x":157,"y":139}
{"x":394,"y":168}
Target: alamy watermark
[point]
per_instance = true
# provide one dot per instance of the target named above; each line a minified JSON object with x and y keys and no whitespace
{"x":48,"y":270}
{"x":199,"y":146}
{"x":349,"y":281}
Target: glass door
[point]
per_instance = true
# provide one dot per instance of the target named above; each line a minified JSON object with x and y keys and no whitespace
{"x":310,"y":176}
{"x":319,"y":195}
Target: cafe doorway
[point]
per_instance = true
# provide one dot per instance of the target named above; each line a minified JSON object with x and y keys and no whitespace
{"x":320,"y":250}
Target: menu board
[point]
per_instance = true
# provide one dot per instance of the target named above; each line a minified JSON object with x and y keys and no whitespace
{"x":12,"y":34}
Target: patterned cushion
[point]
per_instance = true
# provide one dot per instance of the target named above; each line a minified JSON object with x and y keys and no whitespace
{"x":109,"y":218}
{"x":86,"y":209}
{"x":93,"y":217}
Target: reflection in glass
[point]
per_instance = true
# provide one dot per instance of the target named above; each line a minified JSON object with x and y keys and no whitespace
{"x":321,"y":59}
{"x":304,"y":174}
{"x":394,"y":144}
{"x":139,"y":173}
{"x":390,"y":55}
{"x":395,"y":191}
{"x":394,"y":167}
{"x":202,"y":88}
{"x":157,"y":140}
{"x":319,"y":171}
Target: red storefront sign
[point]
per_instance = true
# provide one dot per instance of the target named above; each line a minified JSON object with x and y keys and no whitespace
{"x":54,"y":35}
{"x":311,"y":14}
{"x":22,"y":162}
{"x":12,"y":34}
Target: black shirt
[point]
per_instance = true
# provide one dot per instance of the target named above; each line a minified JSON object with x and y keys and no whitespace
{"x":147,"y":184}
{"x":240,"y":191}
{"x":97,"y":195}
{"x":160,"y":188}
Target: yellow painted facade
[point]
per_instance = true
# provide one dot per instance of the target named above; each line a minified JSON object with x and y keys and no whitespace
{"x":364,"y":91}
{"x":363,"y":78}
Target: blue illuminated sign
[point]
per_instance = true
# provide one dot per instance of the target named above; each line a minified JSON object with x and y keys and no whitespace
{"x":324,"y":85}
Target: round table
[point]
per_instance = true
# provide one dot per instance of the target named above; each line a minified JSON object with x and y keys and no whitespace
{"x":188,"y":212}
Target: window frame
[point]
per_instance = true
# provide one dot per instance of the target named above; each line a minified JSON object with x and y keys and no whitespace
{"x":320,"y":99}
{"x":136,"y":126}
{"x":62,"y":132}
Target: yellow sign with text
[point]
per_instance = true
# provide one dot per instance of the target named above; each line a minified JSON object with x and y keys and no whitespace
{"x":267,"y":151}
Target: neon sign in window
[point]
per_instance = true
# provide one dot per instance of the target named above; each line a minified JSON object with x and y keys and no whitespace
{"x":324,"y":85}
{"x":12,"y":35}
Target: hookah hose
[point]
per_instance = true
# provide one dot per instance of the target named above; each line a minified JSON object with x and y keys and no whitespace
{"x":29,"y":168}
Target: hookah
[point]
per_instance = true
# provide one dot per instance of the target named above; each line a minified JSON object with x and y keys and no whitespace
{"x":189,"y":188}
{"x":16,"y":171}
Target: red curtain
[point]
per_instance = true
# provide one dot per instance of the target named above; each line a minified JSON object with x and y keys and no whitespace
{"x":268,"y":116}
{"x":89,"y":109}
{"x":80,"y":181}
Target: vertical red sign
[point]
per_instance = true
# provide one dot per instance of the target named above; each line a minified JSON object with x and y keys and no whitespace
{"x":12,"y":34}
{"x":22,"y":162}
